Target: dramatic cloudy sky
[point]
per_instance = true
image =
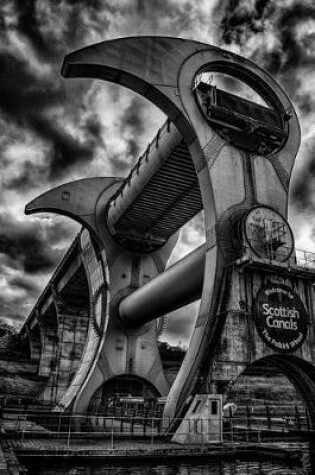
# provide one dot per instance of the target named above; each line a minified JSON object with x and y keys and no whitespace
{"x":55,"y":130}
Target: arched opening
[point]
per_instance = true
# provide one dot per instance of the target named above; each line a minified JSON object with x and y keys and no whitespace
{"x":76,"y":291}
{"x":126,"y":395}
{"x":276,"y":392}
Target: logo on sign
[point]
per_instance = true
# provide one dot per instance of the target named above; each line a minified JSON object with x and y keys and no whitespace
{"x":280,"y":318}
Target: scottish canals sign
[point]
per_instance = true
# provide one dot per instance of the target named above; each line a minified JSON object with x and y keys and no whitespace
{"x":280,"y":317}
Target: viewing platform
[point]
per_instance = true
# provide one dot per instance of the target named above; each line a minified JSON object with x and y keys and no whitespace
{"x":301,"y":263}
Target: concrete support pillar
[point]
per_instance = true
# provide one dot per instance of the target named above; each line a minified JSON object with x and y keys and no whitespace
{"x":71,"y":336}
{"x":33,"y":336}
{"x":48,"y":332}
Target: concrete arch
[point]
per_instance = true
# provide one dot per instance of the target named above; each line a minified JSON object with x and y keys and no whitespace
{"x":128,"y":383}
{"x":78,"y":393}
{"x":48,"y":326}
{"x":35,"y":342}
{"x":299,"y":372}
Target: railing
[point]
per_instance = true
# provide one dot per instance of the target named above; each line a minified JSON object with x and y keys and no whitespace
{"x":260,"y":420}
{"x":144,"y":157}
{"x":248,"y":424}
{"x":305,"y":259}
{"x":298,"y":258}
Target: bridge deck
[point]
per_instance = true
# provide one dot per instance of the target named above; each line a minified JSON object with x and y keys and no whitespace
{"x":160,"y":194}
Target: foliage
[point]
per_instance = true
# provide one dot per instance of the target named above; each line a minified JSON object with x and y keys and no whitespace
{"x":171,"y":353}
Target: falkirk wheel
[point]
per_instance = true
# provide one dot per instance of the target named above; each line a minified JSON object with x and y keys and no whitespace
{"x":228,"y":147}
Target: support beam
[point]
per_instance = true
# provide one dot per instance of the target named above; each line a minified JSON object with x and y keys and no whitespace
{"x":179,"y":285}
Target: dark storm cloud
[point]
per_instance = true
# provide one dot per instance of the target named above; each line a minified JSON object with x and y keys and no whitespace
{"x":29,"y":25}
{"x":29,"y":106}
{"x":245,"y":20}
{"x":28,"y":176}
{"x":29,"y":98}
{"x":23,"y":93}
{"x":23,"y":282}
{"x":59,"y":231}
{"x":302,"y":188}
{"x":10,"y":318}
{"x":295,"y":53}
{"x":181,"y":16}
{"x":50,"y":29}
{"x":242,"y":20}
{"x":306,"y":103}
{"x":119,"y":164}
{"x":36,"y":20}
{"x":67,"y":151}
{"x":93,"y":127}
{"x":291,"y":63}
{"x":28,"y":247}
{"x":132,"y":126}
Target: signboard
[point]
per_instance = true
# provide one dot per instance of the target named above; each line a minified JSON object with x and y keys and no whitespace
{"x":280,"y":317}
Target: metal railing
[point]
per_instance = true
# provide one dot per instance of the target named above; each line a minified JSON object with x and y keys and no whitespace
{"x":305,"y":259}
{"x":247,"y":425}
{"x":298,"y":258}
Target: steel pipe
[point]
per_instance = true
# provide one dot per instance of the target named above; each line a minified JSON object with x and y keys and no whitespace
{"x":179,"y":285}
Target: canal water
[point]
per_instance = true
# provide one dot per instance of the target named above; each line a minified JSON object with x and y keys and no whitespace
{"x":230,"y":466}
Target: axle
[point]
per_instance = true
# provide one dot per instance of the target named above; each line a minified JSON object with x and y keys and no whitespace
{"x":179,"y":285}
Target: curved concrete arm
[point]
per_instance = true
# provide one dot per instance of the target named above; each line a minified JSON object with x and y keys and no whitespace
{"x":76,"y":199}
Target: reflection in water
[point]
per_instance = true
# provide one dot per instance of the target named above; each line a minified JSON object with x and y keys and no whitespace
{"x":191,"y":467}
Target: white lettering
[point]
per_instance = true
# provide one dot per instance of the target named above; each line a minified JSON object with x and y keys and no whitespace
{"x":278,"y":290}
{"x":283,"y":324}
{"x":280,"y":311}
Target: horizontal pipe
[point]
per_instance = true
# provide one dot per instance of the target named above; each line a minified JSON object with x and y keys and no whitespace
{"x":179,"y":285}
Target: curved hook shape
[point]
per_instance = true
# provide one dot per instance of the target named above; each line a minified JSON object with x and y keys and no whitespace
{"x":76,"y":199}
{"x":149,"y":65}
